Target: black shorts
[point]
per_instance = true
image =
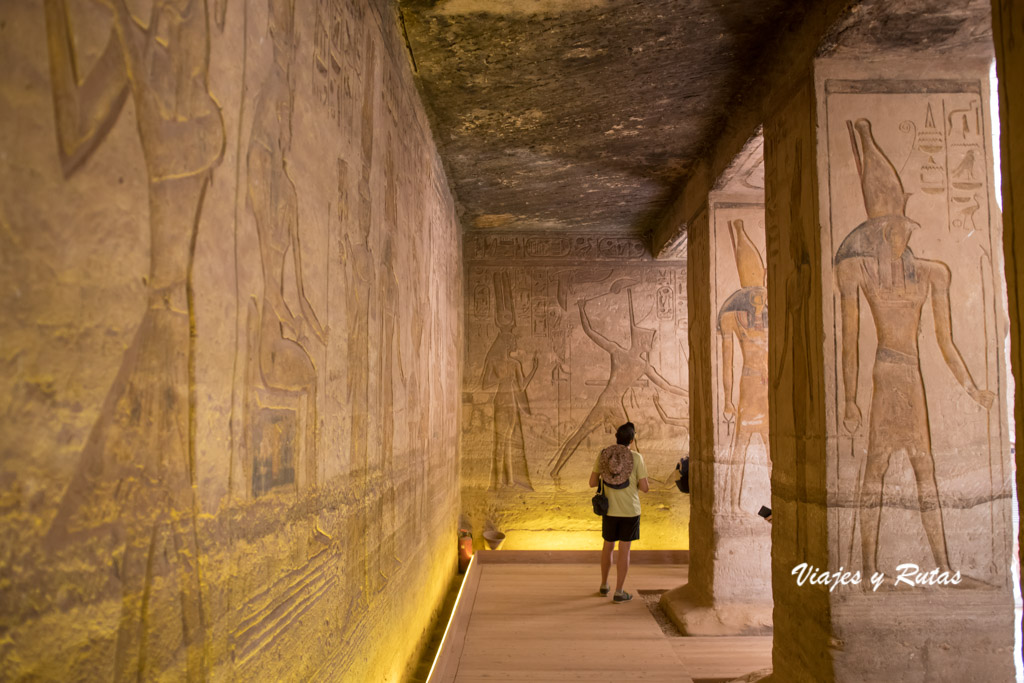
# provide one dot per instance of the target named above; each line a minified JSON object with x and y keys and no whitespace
{"x":620,"y":528}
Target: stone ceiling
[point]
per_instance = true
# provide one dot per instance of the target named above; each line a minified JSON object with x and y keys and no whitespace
{"x":588,"y":115}
{"x":580,"y":114}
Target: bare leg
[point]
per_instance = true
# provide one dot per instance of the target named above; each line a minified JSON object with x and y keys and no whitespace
{"x":621,"y":565}
{"x":589,"y":424}
{"x":871,"y":508}
{"x":501,"y":466}
{"x":606,"y":561}
{"x":767,"y":450}
{"x":309,"y":448}
{"x":931,"y":511}
{"x":506,"y":457}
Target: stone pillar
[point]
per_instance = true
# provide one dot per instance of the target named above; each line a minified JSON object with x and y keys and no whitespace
{"x":888,"y":380}
{"x":1008,"y":32}
{"x":729,"y":588}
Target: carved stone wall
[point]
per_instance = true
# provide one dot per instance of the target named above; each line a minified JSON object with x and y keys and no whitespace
{"x":567,"y":337}
{"x":936,"y":138}
{"x":232,"y":346}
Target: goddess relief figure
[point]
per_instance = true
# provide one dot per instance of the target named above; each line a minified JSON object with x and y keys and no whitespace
{"x":503,"y":372}
{"x":282,"y":337}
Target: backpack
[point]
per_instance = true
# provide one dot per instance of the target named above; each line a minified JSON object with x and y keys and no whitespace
{"x":683,"y":482}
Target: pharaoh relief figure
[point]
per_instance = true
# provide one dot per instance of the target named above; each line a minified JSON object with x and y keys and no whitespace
{"x":503,"y":373}
{"x":875,"y":260}
{"x":628,"y":366}
{"x":744,"y":317}
{"x":136,"y":475}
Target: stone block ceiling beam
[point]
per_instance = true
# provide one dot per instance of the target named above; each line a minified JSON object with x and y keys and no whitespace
{"x":793,"y":44}
{"x":581,"y":115}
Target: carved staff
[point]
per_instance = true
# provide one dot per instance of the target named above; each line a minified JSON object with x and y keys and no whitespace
{"x":860,"y":470}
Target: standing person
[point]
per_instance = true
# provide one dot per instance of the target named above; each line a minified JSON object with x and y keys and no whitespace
{"x":624,"y":475}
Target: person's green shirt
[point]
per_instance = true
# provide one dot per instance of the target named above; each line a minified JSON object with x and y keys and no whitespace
{"x":625,"y":502}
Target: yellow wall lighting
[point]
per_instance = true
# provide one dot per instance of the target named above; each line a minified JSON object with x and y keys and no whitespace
{"x":451,"y":618}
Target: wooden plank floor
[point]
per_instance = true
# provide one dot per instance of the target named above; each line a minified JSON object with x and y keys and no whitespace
{"x":722,"y":658}
{"x":546,"y":622}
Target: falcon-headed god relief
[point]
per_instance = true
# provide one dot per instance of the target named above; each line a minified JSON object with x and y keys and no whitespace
{"x":875,"y":260}
{"x":744,"y":316}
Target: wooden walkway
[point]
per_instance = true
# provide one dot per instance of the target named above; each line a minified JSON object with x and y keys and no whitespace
{"x":546,"y":622}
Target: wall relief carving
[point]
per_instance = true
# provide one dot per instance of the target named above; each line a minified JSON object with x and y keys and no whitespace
{"x":568,"y":351}
{"x":232,"y":478}
{"x":140,"y":455}
{"x":281,"y":377}
{"x":742,"y":322}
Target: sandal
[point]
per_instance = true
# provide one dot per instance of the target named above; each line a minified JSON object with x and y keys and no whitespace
{"x":622,"y":597}
{"x":603,"y":590}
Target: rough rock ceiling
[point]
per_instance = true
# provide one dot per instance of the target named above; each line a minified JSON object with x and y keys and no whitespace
{"x":588,"y":115}
{"x":581,"y":115}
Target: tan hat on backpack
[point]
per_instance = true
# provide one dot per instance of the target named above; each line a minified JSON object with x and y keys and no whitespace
{"x":616,"y":465}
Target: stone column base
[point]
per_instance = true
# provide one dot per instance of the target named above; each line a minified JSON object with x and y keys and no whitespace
{"x":697,"y":618}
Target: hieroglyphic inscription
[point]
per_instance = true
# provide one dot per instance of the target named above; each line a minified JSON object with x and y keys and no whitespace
{"x":333,"y":43}
{"x":949,"y":145}
{"x":544,"y":247}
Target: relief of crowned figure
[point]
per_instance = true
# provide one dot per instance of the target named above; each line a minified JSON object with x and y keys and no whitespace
{"x":876,"y":261}
{"x":744,"y":316}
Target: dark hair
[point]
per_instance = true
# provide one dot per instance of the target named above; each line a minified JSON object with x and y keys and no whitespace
{"x":624,"y":434}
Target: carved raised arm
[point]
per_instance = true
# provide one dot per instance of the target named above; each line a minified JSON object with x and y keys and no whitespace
{"x":85,"y":108}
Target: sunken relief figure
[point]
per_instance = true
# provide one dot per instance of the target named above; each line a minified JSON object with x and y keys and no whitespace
{"x":628,"y":366}
{"x":281,"y":386}
{"x":744,"y":317}
{"x":875,"y":259}
{"x":136,"y":477}
{"x":503,"y":372}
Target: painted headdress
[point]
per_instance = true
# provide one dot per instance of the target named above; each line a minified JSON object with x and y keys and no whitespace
{"x":748,"y":259}
{"x":504,"y":308}
{"x":879,"y":181}
{"x":882,"y":190}
{"x":637,"y":334}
